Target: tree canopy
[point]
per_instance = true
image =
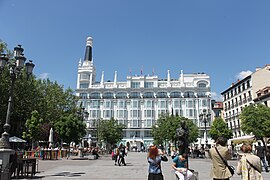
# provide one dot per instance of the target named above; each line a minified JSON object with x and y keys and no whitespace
{"x":255,"y":119}
{"x":219,"y":128}
{"x":110,"y":131}
{"x":165,"y":129}
{"x":35,"y":99}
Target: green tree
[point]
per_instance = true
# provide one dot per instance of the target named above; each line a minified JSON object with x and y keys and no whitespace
{"x":70,"y":128}
{"x":255,"y":119}
{"x":33,"y":126}
{"x":165,"y":129}
{"x":110,"y":131}
{"x":219,"y":128}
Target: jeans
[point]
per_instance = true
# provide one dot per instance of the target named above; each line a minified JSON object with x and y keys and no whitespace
{"x":264,"y":163}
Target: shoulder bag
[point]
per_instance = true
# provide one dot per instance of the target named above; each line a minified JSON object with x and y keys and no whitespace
{"x":231,"y":168}
{"x":253,"y":166}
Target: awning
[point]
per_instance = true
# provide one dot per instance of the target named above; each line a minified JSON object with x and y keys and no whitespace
{"x":242,"y":139}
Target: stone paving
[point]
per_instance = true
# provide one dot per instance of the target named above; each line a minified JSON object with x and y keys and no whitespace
{"x":104,"y":169}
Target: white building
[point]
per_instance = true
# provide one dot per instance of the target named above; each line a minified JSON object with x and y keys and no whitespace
{"x":138,"y":101}
{"x":253,"y":88}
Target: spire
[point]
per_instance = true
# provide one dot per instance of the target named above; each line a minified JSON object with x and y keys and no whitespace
{"x":88,"y":51}
{"x":80,"y":62}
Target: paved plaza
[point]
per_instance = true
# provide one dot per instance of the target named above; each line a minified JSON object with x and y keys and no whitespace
{"x":104,"y":168}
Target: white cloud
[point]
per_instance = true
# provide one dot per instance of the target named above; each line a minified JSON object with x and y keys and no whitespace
{"x":216,"y":96}
{"x":243,"y":74}
{"x":44,"y":75}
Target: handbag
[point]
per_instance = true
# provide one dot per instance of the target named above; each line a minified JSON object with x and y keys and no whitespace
{"x":231,"y":168}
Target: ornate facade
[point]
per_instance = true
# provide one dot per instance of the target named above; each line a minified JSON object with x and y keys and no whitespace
{"x":139,"y":101}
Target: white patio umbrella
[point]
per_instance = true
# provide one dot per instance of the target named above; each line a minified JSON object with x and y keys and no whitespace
{"x":51,"y":137}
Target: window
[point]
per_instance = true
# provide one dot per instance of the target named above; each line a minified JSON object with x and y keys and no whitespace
{"x":135,"y":104}
{"x":95,"y":95}
{"x":148,"y":95}
{"x":202,"y":85}
{"x":162,"y":104}
{"x":148,"y":84}
{"x":148,"y":104}
{"x":190,"y":104}
{"x":176,"y":104}
{"x":108,"y":104}
{"x":189,"y":94}
{"x":175,"y":94}
{"x":84,"y":85}
{"x":135,"y":85}
{"x":148,"y":113}
{"x":134,"y":95}
{"x":95,"y":104}
{"x":204,"y":103}
{"x":135,"y":113}
{"x":108,"y":95}
{"x":85,"y":77}
{"x":162,"y":94}
{"x":83,"y":95}
{"x":121,"y":95}
{"x":107,"y":114}
{"x":122,"y":104}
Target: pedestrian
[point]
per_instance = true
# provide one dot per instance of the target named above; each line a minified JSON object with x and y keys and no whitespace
{"x":260,"y":151}
{"x":116,"y":154}
{"x":122,"y":153}
{"x":249,"y":165}
{"x":154,"y":159}
{"x":219,"y":169}
{"x":180,"y":167}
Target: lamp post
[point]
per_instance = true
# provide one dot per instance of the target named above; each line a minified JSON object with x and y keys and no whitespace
{"x":16,"y":65}
{"x":83,"y":114}
{"x":204,"y":118}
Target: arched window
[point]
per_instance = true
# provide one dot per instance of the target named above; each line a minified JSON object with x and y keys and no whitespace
{"x":108,"y":95}
{"x":175,"y":94}
{"x":121,"y":95}
{"x":189,"y":94}
{"x":202,"y":84}
{"x":134,"y":95}
{"x":95,"y":95}
{"x":148,"y":95}
{"x":162,"y":94}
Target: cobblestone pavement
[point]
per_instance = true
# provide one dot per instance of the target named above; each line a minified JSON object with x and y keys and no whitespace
{"x":104,"y":169}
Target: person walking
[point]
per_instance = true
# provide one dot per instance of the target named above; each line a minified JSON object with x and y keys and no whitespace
{"x":154,"y":159}
{"x":260,"y":151}
{"x":180,"y":167}
{"x":122,"y":153}
{"x":219,"y":170}
{"x":249,"y":165}
{"x":116,"y":154}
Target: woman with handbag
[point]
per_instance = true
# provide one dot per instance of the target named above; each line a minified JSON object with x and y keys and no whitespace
{"x":154,"y":159}
{"x":249,"y":165}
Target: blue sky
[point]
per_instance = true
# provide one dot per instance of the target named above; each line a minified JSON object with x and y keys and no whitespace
{"x":225,"y":39}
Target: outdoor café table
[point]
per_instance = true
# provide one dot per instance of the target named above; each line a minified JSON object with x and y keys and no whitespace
{"x":26,"y":166}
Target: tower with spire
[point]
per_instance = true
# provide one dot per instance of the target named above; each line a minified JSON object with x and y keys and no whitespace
{"x":86,"y":69}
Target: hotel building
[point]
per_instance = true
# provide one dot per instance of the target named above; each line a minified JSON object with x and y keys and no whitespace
{"x":140,"y":100}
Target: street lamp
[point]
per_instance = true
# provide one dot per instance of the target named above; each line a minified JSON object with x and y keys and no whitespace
{"x":15,"y":65}
{"x":204,"y":118}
